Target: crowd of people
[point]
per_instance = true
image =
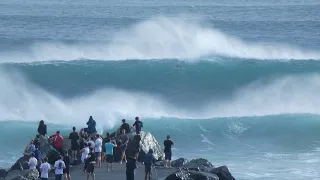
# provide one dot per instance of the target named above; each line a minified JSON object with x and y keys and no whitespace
{"x":93,"y":150}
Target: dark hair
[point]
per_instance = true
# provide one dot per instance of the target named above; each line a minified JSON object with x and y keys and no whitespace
{"x":32,"y":154}
{"x":58,"y":132}
{"x":91,"y":149}
{"x":92,"y":138}
{"x":86,"y":144}
{"x":137,"y":118}
{"x":41,"y":122}
{"x":90,"y":118}
{"x":89,"y":145}
{"x":123,"y":120}
{"x":168,"y":136}
{"x":108,"y":134}
{"x":97,"y":135}
{"x":45,"y":159}
{"x":74,"y":128}
{"x":108,"y":140}
{"x":59,"y":157}
{"x":37,"y":136}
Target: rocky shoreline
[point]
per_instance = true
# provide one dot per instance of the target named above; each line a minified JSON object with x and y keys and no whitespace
{"x":196,"y":169}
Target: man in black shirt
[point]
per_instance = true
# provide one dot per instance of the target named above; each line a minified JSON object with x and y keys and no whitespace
{"x":125,"y":126}
{"x":138,"y":125}
{"x":167,"y":152}
{"x":74,"y":136}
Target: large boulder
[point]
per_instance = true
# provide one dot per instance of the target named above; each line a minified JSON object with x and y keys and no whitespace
{"x":147,"y":142}
{"x":175,"y":163}
{"x":28,"y":174}
{"x":223,"y":173}
{"x":202,"y":164}
{"x":191,"y":175}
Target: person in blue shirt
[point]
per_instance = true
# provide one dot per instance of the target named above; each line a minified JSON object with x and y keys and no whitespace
{"x":109,"y":152}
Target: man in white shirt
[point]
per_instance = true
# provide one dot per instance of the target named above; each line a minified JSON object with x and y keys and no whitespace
{"x":98,"y":149}
{"x":32,"y":162}
{"x":59,"y":166}
{"x":44,"y":169}
{"x":92,"y":143}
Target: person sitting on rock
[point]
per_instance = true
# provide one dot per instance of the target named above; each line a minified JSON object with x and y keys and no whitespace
{"x":30,"y":148}
{"x":33,"y":162}
{"x":36,"y":141}
{"x":91,"y":126}
{"x":124,"y":139}
{"x":57,"y":141}
{"x":42,"y":128}
{"x":131,"y":166}
{"x":138,"y":125}
{"x":37,"y":155}
{"x":74,"y":136}
{"x":125,"y":126}
{"x":167,"y":152}
{"x":149,"y":161}
{"x":45,"y":169}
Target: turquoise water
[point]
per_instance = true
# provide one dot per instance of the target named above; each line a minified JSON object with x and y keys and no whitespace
{"x":236,"y":82}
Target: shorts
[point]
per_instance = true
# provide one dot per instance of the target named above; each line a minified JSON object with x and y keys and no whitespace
{"x":66,"y":170}
{"x":98,"y":154}
{"x":109,"y":158}
{"x":90,"y":168}
{"x":58,"y":177}
{"x":167,"y":156}
{"x":147,"y":169}
{"x":44,"y":178}
{"x":74,"y":146}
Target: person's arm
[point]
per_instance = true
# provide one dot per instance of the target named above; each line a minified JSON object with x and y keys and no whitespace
{"x":41,"y":167}
{"x":39,"y":129}
{"x":81,"y":150}
{"x":81,"y":130}
{"x":141,"y":124}
{"x":70,"y":135}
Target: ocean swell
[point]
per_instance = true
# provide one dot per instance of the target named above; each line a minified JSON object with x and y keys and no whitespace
{"x":161,"y":38}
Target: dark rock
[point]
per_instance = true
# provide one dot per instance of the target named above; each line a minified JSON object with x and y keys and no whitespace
{"x":179,"y":162}
{"x":201,"y":163}
{"x":28,"y":174}
{"x":223,"y":173}
{"x":3,"y":173}
{"x":192,"y":175}
{"x":21,"y":163}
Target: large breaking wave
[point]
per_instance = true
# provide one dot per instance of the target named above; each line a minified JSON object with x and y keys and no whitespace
{"x":161,"y":38}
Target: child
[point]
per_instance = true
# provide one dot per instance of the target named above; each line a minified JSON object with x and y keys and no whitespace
{"x":59,"y":166}
{"x":44,"y":169}
{"x":149,"y":160}
{"x":66,"y":171}
{"x":90,"y":161}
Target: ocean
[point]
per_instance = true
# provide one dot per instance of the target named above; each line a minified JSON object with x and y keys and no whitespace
{"x":235,"y":81}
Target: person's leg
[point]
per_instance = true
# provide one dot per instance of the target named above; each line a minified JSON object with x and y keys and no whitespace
{"x":145,"y":172}
{"x":93,"y":176}
{"x":65,"y":176}
{"x":111,"y":166}
{"x":69,"y":177}
{"x":169,"y":160}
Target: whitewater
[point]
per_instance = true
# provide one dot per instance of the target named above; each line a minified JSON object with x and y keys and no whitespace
{"x":237,"y":80}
